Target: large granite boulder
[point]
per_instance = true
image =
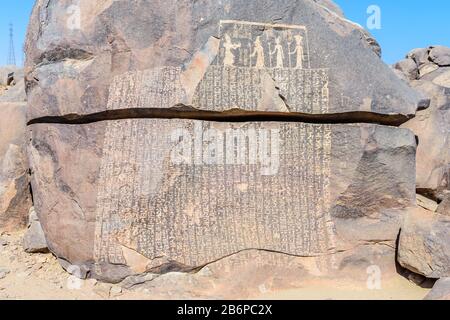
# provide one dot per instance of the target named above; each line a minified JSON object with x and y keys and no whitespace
{"x":15,"y":198}
{"x":440,"y":55}
{"x":424,"y":245}
{"x":219,"y":170}
{"x":285,"y":57}
{"x":432,"y":126}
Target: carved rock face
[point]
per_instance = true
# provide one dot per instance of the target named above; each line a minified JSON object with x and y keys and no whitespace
{"x":156,"y":195}
{"x":219,"y":164}
{"x":251,"y":56}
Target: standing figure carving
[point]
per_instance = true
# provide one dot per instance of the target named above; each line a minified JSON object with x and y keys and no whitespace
{"x":229,"y":47}
{"x":279,"y":52}
{"x":258,"y":52}
{"x":298,"y":52}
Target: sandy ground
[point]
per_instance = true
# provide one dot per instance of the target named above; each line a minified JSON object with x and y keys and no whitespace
{"x":40,"y":277}
{"x":397,"y":289}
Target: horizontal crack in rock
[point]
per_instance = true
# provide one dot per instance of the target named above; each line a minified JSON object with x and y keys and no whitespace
{"x":183,"y":112}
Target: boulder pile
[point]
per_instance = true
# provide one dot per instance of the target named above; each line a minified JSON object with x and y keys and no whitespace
{"x":424,"y":245}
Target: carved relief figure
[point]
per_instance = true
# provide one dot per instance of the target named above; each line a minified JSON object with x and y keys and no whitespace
{"x":229,"y":47}
{"x":298,"y":51}
{"x":259,"y":53}
{"x":279,"y":52}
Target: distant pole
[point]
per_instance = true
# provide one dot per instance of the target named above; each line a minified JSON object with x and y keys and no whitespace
{"x":12,"y":53}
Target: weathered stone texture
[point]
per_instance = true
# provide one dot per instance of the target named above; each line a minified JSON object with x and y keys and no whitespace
{"x":217,"y":56}
{"x":195,"y":194}
{"x":15,"y":198}
{"x":424,"y":245}
{"x":432,"y":126}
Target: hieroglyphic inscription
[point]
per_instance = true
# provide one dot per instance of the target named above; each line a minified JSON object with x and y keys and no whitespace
{"x":249,"y":50}
{"x":231,"y":87}
{"x":193,"y":192}
{"x":249,"y":54}
{"x":196,"y":211}
{"x":156,"y":88}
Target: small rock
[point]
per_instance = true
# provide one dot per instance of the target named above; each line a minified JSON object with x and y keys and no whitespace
{"x":441,"y":290}
{"x":81,"y":272}
{"x":115,"y":291}
{"x":133,"y":281}
{"x":427,"y":68}
{"x":424,"y":245}
{"x":408,"y":67}
{"x":3,"y":242}
{"x":427,"y":203}
{"x":34,"y":240}
{"x":420,"y":56}
{"x":440,"y":55}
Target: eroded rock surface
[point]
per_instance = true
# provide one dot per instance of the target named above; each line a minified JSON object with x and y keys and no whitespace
{"x":15,"y":197}
{"x":424,"y":245}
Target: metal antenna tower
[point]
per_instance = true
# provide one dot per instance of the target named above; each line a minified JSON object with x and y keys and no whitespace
{"x":12,"y":53}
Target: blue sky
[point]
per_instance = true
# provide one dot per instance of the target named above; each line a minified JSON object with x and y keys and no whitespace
{"x":17,"y":12}
{"x":405,"y":24}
